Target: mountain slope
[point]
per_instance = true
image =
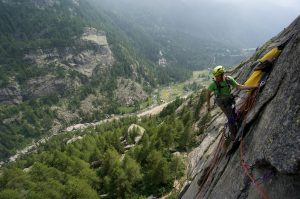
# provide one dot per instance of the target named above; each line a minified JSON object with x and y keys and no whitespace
{"x":169,"y":27}
{"x":63,"y":62}
{"x":271,"y":142}
{"x":109,"y":161}
{"x":125,"y":158}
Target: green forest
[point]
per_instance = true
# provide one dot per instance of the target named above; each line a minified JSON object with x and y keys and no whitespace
{"x":99,"y":165}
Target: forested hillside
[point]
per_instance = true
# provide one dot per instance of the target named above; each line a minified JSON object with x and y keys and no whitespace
{"x":60,"y":63}
{"x":110,"y":160}
{"x":93,"y":65}
{"x":69,"y":61}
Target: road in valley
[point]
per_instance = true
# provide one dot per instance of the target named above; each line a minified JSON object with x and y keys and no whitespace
{"x":154,"y":110}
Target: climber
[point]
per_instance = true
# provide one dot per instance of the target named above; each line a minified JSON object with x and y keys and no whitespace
{"x":221,"y":87}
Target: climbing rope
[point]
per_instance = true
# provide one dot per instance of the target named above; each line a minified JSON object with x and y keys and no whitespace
{"x":244,"y":110}
{"x":265,"y":177}
{"x":241,"y":116}
{"x":207,"y":177}
{"x":247,"y":171}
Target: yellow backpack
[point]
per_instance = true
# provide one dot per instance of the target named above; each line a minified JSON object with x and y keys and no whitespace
{"x":264,"y":64}
{"x":272,"y":54}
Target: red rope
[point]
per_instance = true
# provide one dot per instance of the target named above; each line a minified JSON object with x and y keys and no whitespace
{"x":246,"y":169}
{"x":245,"y":166}
{"x":206,"y":178}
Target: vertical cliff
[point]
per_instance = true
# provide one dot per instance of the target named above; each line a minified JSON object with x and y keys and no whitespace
{"x":271,"y":142}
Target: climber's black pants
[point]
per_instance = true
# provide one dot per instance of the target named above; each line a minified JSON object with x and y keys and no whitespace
{"x":227,"y":106}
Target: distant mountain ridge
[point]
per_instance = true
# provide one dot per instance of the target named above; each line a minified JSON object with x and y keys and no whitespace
{"x":168,"y":26}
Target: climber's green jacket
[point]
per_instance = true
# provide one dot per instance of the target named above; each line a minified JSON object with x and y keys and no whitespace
{"x":223,"y":88}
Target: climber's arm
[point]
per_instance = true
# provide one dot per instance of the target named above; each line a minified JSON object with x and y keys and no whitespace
{"x":242,"y":87}
{"x":208,"y":94}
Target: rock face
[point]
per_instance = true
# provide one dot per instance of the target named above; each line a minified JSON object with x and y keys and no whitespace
{"x":11,"y":94}
{"x":91,"y":50}
{"x":91,"y":102}
{"x":272,"y":136}
{"x":128,"y":92}
{"x":45,"y":85}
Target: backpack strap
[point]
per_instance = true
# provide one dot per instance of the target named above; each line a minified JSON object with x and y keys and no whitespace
{"x":228,"y":82}
{"x":219,"y":87}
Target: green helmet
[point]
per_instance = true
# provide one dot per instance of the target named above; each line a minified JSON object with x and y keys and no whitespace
{"x":218,"y":70}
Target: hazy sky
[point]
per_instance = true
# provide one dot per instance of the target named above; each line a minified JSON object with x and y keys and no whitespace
{"x":287,"y":9}
{"x":250,"y":22}
{"x":271,"y":16}
{"x":293,"y":4}
{"x":282,"y":3}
